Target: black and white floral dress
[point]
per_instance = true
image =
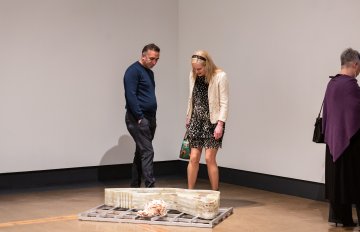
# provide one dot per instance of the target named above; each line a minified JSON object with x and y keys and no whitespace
{"x":201,"y":130}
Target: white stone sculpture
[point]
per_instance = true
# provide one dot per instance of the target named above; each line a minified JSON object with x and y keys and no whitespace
{"x":154,"y":208}
{"x":200,"y":203}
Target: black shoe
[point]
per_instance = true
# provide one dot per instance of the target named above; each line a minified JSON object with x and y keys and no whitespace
{"x":344,"y":216}
{"x":134,"y":186}
{"x":344,"y":224}
{"x":349,"y":224}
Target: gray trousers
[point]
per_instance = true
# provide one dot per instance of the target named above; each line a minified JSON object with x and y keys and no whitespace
{"x":143,"y":134}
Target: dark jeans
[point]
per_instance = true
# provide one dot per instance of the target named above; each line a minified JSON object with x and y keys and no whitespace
{"x":143,"y":134}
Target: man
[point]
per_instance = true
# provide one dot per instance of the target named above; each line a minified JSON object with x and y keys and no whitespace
{"x":140,"y":116}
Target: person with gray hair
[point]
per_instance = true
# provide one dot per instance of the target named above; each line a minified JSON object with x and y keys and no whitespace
{"x":341,"y":127}
{"x":349,"y":56}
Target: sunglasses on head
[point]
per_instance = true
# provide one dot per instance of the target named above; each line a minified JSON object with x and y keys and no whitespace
{"x":199,"y":57}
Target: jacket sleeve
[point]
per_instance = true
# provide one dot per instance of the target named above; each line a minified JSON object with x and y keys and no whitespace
{"x":189,"y":103}
{"x":223,"y":97}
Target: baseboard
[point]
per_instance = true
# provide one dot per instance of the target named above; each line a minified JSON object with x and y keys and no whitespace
{"x":46,"y":178}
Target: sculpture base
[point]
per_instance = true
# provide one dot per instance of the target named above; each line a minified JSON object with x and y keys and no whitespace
{"x":104,"y":213}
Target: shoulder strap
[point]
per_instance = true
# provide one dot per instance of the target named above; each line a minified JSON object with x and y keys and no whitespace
{"x":321,"y":108}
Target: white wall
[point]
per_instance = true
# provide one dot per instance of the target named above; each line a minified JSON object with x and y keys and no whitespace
{"x":62,"y":63}
{"x":278,"y":55}
{"x":61,"y":70}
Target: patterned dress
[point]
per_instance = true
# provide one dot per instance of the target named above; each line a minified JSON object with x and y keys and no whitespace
{"x":201,"y":130}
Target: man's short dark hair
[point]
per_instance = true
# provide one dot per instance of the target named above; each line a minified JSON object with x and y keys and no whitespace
{"x":151,"y":47}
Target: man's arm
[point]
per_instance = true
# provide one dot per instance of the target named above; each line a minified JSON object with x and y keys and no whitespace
{"x":131,"y":81}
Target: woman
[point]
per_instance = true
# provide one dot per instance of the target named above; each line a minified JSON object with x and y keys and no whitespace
{"x":341,"y":123}
{"x":206,"y":115}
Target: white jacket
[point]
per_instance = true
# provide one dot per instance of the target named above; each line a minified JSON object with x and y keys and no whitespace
{"x":218,"y":94}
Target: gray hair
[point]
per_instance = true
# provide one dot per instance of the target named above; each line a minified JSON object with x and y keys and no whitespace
{"x":348,"y":56}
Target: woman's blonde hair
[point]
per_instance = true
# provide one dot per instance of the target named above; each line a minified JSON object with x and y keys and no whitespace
{"x":203,"y":57}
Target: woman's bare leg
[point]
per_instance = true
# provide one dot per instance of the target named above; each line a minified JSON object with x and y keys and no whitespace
{"x":193,"y":167}
{"x":212,"y":168}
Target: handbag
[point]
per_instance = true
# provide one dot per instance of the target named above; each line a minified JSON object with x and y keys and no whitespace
{"x":318,"y":136}
{"x":185,"y":148}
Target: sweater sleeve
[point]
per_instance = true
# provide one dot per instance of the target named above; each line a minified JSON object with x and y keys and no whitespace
{"x":131,"y":80}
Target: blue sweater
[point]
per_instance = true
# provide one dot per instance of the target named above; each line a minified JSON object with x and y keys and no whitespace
{"x":139,"y":87}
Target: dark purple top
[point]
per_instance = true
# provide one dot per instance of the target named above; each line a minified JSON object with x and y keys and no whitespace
{"x":341,"y":113}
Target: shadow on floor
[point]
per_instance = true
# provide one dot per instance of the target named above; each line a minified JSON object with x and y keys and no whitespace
{"x":228,"y":202}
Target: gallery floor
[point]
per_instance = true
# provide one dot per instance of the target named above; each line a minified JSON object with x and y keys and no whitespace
{"x":55,"y":209}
